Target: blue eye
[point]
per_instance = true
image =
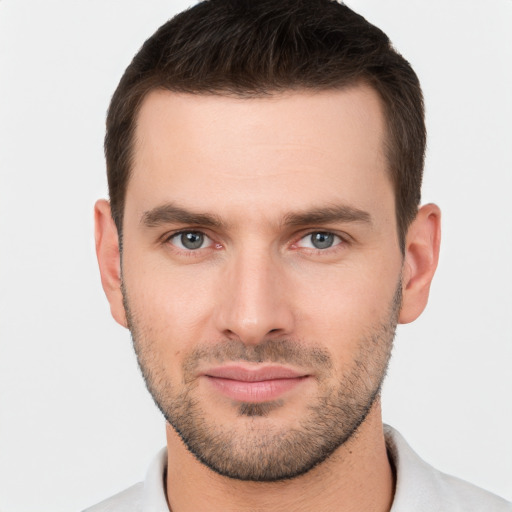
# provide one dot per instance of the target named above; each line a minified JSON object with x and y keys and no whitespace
{"x":320,"y":240}
{"x":190,"y":240}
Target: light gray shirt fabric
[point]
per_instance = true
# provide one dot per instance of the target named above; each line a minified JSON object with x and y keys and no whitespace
{"x":419,"y":487}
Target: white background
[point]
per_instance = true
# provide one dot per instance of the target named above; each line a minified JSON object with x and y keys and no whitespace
{"x":76,"y":423}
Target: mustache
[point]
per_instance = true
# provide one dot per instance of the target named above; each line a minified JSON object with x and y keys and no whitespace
{"x":283,"y":351}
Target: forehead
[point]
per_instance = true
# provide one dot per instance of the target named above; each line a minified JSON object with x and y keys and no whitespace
{"x":268,"y":153}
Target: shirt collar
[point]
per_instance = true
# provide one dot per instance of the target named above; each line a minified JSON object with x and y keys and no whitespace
{"x":154,"y":496}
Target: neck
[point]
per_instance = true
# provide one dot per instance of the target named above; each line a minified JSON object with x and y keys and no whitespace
{"x":357,"y":477}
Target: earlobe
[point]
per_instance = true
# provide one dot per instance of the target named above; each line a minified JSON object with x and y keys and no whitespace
{"x":420,"y":261}
{"x":109,"y":260}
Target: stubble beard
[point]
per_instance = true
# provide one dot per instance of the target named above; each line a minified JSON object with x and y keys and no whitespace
{"x":260,"y":451}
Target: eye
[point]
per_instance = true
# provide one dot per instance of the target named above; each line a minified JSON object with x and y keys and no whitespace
{"x":190,"y":240}
{"x":319,"y":240}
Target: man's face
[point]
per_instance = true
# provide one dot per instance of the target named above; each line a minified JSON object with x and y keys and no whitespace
{"x":261,"y":272}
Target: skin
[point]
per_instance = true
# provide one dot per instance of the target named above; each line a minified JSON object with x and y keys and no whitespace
{"x":252,"y":163}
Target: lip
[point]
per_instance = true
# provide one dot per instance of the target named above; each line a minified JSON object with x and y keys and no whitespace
{"x":249,"y":384}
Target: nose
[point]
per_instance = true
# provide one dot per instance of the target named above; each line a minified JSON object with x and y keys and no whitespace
{"x":254,"y":304}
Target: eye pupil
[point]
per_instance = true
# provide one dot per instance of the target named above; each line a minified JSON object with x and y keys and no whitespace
{"x":192,"y":240}
{"x":322,"y":240}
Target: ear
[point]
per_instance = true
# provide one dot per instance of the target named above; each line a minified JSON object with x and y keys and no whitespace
{"x":420,"y":261}
{"x":109,"y":260}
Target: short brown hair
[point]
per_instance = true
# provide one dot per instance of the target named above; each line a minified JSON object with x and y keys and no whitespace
{"x":253,"y":48}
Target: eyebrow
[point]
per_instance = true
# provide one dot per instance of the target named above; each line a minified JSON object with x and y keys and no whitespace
{"x":170,"y":213}
{"x":327,"y":215}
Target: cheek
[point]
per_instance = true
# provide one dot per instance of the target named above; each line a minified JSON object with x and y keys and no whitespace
{"x":169,"y":306}
{"x":340,"y":306}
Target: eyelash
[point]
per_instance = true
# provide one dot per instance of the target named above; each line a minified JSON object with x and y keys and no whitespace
{"x":337,"y":245}
{"x":342,"y":243}
{"x":189,"y":252}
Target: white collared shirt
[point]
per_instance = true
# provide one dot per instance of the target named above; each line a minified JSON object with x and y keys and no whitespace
{"x":419,"y":487}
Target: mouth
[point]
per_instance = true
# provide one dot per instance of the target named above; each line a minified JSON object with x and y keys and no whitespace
{"x":254,"y":384}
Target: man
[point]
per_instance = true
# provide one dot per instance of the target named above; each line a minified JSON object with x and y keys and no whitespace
{"x":262,"y":241}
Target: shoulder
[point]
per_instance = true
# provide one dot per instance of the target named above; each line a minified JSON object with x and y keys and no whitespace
{"x":129,"y":500}
{"x":422,"y":488}
{"x":459,"y":495}
{"x":147,"y":496}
